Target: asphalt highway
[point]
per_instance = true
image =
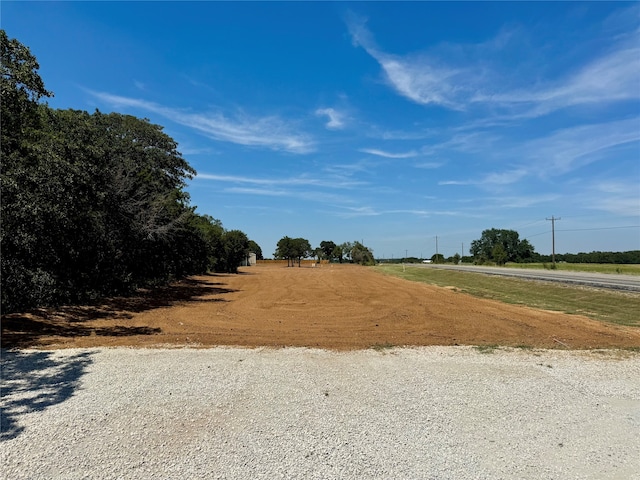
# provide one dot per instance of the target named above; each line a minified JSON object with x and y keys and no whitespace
{"x":598,"y":280}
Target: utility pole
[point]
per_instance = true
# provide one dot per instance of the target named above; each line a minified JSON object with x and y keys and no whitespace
{"x":553,"y":238}
{"x":437,"y":249}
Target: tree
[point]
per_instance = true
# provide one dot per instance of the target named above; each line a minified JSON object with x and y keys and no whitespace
{"x":236,"y":248}
{"x":498,"y":254}
{"x":513,"y":249}
{"x":93,"y":204}
{"x":211,"y":231}
{"x":338,"y":253}
{"x":345,"y":251}
{"x":284,"y":250}
{"x":255,"y":248}
{"x":293,"y":250}
{"x":328,"y":247}
{"x":437,"y":258}
{"x":21,"y":87}
{"x":361,"y":254}
{"x":301,"y":249}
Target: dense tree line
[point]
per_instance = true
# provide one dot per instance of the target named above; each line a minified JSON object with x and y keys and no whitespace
{"x":501,"y":246}
{"x":93,"y":204}
{"x":295,"y":249}
{"x":620,"y":258}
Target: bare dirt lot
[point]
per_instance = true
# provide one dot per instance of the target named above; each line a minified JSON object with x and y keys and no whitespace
{"x":339,"y":307}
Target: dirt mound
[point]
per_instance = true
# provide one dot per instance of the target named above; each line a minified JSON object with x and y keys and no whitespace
{"x":340,"y":307}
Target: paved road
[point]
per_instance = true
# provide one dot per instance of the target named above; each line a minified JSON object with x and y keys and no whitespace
{"x":600,"y":280}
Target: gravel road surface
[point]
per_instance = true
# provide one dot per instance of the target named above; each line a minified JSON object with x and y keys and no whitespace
{"x":428,"y":413}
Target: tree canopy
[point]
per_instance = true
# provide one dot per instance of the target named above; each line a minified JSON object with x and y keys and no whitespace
{"x":501,"y":246}
{"x":293,"y":250}
{"x":92,"y":204}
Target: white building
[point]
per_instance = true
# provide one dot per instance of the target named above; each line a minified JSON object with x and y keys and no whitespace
{"x":249,"y":261}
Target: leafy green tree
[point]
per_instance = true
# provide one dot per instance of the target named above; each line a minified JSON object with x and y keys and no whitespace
{"x":301,"y":249}
{"x":338,"y":253}
{"x":498,"y":254}
{"x":21,"y":87}
{"x":328,"y":247}
{"x":236,"y":249}
{"x":92,"y":204}
{"x":514,"y":249}
{"x":456,"y":259}
{"x":255,"y":248}
{"x":284,"y":250}
{"x":293,"y":250}
{"x":345,"y":248}
{"x":211,"y":231}
{"x":361,"y":254}
{"x":437,"y":258}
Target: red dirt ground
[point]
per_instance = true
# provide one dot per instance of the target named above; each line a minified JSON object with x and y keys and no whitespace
{"x":340,"y":307}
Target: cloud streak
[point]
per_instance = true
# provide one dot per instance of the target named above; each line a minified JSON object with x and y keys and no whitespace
{"x":460,"y":77}
{"x":336,"y":119}
{"x":300,"y":181}
{"x":382,"y":153}
{"x":271,"y":131}
{"x":559,"y":153}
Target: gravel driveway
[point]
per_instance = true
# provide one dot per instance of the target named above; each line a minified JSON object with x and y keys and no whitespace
{"x":431,"y":412}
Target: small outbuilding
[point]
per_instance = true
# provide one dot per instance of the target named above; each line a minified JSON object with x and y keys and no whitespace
{"x":249,"y":260}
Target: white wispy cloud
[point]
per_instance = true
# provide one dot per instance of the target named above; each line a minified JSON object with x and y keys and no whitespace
{"x":612,"y":77}
{"x":571,"y":148}
{"x":429,"y":165}
{"x":523,"y":201}
{"x":322,"y":197}
{"x":382,"y":153}
{"x":371,"y":211}
{"x":458,"y":77}
{"x":271,"y":131}
{"x":559,"y":153}
{"x":336,"y":118}
{"x":614,"y":196}
{"x":257,"y":191}
{"x":299,"y":181}
{"x":420,"y":80}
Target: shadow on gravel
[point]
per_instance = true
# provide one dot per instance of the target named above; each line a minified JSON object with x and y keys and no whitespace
{"x":24,"y":330}
{"x":32,"y":381}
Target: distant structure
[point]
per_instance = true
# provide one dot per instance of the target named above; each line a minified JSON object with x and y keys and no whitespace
{"x":249,"y":260}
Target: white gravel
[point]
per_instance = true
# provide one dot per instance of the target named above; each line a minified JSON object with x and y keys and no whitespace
{"x":429,"y":413}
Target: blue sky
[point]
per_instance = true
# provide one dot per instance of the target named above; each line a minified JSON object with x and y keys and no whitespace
{"x":387,"y":123}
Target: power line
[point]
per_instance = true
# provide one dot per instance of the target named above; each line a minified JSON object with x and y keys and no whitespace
{"x":537,"y":234}
{"x":599,"y":228}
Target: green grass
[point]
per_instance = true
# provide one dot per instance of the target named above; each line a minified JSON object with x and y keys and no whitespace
{"x":380,"y":347}
{"x":487,"y":348}
{"x":622,"y":308}
{"x":631,"y":269}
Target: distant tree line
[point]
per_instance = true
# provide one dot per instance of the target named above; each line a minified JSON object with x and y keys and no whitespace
{"x":501,"y":246}
{"x":93,"y":204}
{"x":498,"y":246}
{"x":620,"y":258}
{"x":295,"y":249}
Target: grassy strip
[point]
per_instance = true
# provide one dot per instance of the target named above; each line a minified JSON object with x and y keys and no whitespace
{"x":630,"y":269}
{"x":609,"y":306}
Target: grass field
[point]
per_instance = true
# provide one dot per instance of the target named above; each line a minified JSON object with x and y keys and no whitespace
{"x":632,"y":269}
{"x":615,"y":307}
